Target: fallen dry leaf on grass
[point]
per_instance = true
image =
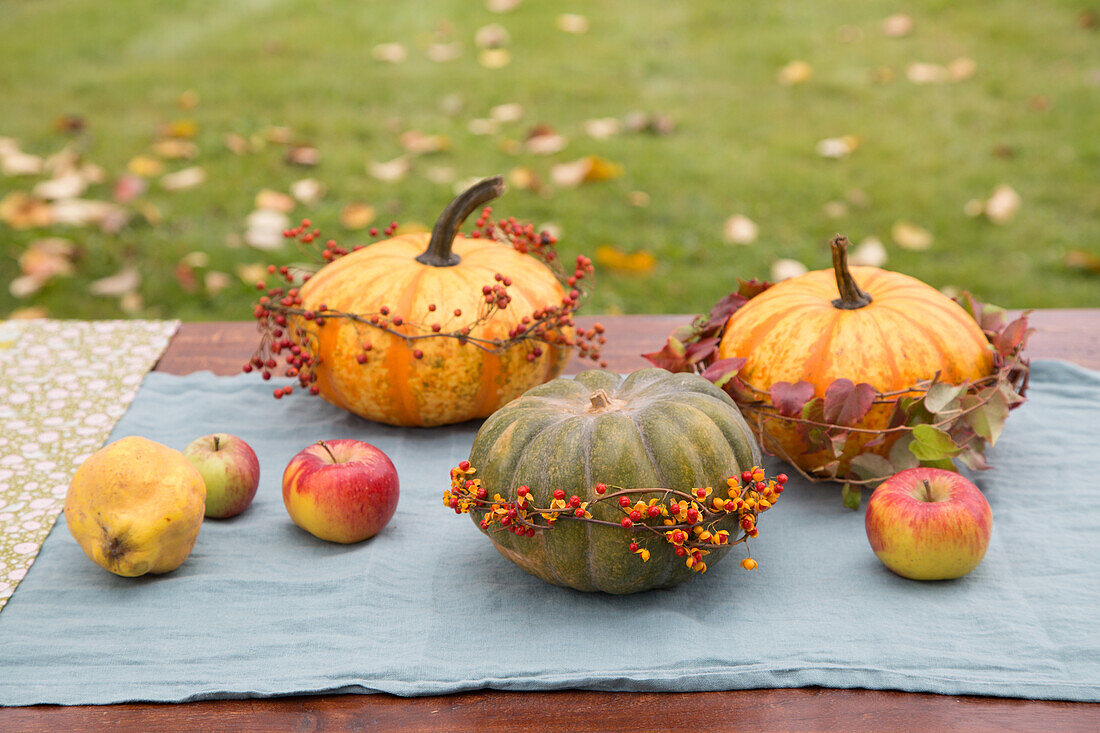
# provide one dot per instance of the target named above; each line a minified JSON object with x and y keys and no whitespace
{"x":64,"y":186}
{"x":237,"y":144}
{"x":216,"y":281}
{"x":418,"y":143}
{"x":176,"y":149}
{"x":131,"y":303}
{"x":124,"y":281}
{"x":183,"y":179}
{"x":588,"y":168}
{"x":308,"y":191}
{"x":501,"y":6}
{"x":451,"y":104}
{"x":870,"y":252}
{"x":185,"y":128}
{"x":571,"y":23}
{"x":645,"y":122}
{"x":305,"y":156}
{"x":43,"y":260}
{"x":251,"y":273}
{"x":603,"y":128}
{"x":639,"y":199}
{"x":145,"y":166}
{"x":274,"y":201}
{"x":390,"y":170}
{"x":70,"y":124}
{"x":356,"y":216}
{"x":188,"y":100}
{"x":265,"y":229}
{"x":796,"y":72}
{"x":1079,"y":259}
{"x":962,"y":69}
{"x":389,"y":53}
{"x":29,"y":314}
{"x":920,"y":72}
{"x":186,"y":277}
{"x":837,"y":147}
{"x":493,"y":35}
{"x":482,"y":126}
{"x":494,"y":58}
{"x":89,"y":212}
{"x":441,"y":53}
{"x":786,"y":269}
{"x":1002,"y":205}
{"x":740,"y":229}
{"x":908,"y":235}
{"x":505,"y":113}
{"x":897,"y":26}
{"x":197,"y":258}
{"x":277,"y":135}
{"x":544,"y":140}
{"x":835,"y":209}
{"x":635,"y":263}
{"x":21,"y":211}
{"x":14,"y":162}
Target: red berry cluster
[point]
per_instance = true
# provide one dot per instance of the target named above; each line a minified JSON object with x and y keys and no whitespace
{"x":693,"y":522}
{"x":295,"y":349}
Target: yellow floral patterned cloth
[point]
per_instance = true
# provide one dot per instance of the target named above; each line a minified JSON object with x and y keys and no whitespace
{"x":63,"y":385}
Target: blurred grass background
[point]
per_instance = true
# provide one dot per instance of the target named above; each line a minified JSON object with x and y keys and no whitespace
{"x":743,"y":142}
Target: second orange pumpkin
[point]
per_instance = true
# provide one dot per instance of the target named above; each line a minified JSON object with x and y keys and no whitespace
{"x":864,"y":324}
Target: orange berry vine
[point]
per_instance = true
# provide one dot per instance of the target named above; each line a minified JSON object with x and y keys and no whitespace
{"x":692,"y":522}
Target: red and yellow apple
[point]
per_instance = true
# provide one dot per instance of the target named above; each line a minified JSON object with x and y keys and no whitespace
{"x":929,"y":524}
{"x":229,"y":468}
{"x":340,"y":490}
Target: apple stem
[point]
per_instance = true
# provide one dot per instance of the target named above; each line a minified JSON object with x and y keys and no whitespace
{"x":217,"y":443}
{"x":928,"y":491}
{"x":330,"y":454}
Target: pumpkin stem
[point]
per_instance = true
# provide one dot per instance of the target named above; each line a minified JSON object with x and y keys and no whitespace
{"x":600,"y":400}
{"x":852,"y":296}
{"x":438,"y":253}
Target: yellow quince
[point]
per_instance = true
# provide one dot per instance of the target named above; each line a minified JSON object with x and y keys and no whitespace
{"x":135,"y":507}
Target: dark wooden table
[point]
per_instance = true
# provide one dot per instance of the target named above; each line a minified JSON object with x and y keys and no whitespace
{"x":223,"y":347}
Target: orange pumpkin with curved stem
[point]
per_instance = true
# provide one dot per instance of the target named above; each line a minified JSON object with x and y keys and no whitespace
{"x":861,"y":323}
{"x":415,"y":282}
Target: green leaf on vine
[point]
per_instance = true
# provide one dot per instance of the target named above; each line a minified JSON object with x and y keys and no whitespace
{"x":940,"y":397}
{"x":931,"y":445}
{"x":901,"y":457}
{"x":987,"y":420}
{"x":851,"y":496}
{"x":871,"y":466}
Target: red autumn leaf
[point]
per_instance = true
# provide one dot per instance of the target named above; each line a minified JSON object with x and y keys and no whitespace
{"x":789,"y":398}
{"x":671,"y":357}
{"x":1012,"y":337}
{"x":749,"y":289}
{"x":700,"y":350}
{"x":846,"y":403}
{"x":720,"y":313}
{"x":721,"y":371}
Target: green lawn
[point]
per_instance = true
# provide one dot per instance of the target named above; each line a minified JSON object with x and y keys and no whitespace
{"x":743,"y":144}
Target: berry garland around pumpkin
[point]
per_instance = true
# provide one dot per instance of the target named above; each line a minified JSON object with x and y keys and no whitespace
{"x":413,"y":337}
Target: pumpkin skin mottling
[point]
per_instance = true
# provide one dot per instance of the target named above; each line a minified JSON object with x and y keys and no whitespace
{"x":908,"y":332}
{"x":452,"y":382}
{"x":663,"y":430}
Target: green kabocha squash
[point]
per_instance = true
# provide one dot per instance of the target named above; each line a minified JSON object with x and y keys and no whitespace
{"x":593,"y":437}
